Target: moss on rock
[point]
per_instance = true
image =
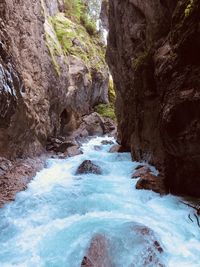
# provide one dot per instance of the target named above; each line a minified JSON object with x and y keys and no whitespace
{"x":106,"y":110}
{"x":76,"y":41}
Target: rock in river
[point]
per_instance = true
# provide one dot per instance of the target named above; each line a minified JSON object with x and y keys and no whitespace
{"x":87,"y":166}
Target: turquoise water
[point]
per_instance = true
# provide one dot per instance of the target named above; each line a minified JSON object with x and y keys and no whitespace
{"x":51,"y":223}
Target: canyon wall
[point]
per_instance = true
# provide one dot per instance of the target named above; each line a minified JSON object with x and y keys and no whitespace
{"x":153,"y":54}
{"x":49,"y":75}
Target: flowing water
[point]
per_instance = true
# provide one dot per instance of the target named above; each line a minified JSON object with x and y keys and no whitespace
{"x":52,"y":223}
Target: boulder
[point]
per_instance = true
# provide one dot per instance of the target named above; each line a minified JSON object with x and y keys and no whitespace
{"x":140,"y":171}
{"x":149,"y":181}
{"x":110,"y":127}
{"x":97,"y":254}
{"x":65,"y":146}
{"x":87,"y":166}
{"x":74,"y":151}
{"x":60,"y":144}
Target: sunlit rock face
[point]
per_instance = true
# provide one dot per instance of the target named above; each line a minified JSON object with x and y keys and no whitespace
{"x":155,"y":64}
{"x":44,"y":89}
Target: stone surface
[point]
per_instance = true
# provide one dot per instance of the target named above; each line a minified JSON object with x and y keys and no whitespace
{"x":152,"y":248}
{"x":16,"y":175}
{"x":148,"y":181}
{"x":141,"y":171}
{"x":118,"y":149}
{"x":88,"y":167}
{"x":73,"y":151}
{"x":98,"y":254}
{"x":42,"y":93}
{"x":153,"y":54}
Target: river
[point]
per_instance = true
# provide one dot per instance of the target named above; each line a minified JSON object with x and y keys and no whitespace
{"x":51,"y":223}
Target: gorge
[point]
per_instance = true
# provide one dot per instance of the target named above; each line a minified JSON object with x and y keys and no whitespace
{"x":80,"y":114}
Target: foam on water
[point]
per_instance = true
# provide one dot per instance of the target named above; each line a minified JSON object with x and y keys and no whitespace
{"x":51,"y":223}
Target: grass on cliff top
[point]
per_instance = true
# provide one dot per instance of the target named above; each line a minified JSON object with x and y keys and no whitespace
{"x":76,"y":41}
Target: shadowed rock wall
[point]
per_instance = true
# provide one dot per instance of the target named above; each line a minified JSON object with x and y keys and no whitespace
{"x":154,"y":59}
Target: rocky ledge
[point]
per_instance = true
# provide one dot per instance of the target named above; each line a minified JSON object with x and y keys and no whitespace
{"x":16,"y":174}
{"x":149,"y":181}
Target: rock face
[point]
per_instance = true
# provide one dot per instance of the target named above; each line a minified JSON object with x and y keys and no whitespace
{"x":15,"y":175}
{"x":154,"y":59}
{"x":44,"y":89}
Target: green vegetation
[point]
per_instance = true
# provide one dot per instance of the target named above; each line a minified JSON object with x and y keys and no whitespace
{"x":140,"y":60}
{"x":106,"y":110}
{"x":111,"y":91}
{"x":77,"y":11}
{"x":75,"y":40}
{"x":189,"y":8}
{"x":88,"y":23}
{"x":74,"y":9}
{"x":53,"y":45}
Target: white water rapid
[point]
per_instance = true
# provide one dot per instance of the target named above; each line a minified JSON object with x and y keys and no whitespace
{"x":52,"y":223}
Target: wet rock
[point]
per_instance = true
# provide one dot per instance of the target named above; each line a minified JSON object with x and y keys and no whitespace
{"x":74,"y":151}
{"x":16,"y":175}
{"x":149,"y":181}
{"x":152,"y":247}
{"x":138,"y":167}
{"x":118,"y":149}
{"x":158,"y":246}
{"x":88,"y":167}
{"x":140,"y":171}
{"x":98,"y":254}
{"x":97,"y":148}
{"x":107,"y":142}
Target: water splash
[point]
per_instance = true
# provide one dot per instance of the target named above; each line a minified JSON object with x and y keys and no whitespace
{"x":52,"y":222}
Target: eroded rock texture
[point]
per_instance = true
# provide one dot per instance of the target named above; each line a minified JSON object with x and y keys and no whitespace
{"x":43,"y":90}
{"x":153,"y":55}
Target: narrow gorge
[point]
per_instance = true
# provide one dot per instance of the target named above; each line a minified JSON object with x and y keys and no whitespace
{"x":99,"y":133}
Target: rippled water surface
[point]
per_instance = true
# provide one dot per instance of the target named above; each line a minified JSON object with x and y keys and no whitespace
{"x":51,"y":224}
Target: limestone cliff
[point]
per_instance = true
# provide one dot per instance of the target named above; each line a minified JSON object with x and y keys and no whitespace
{"x":52,"y":71}
{"x":154,"y":59}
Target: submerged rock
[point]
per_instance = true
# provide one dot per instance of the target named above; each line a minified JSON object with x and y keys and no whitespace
{"x":88,"y":167}
{"x":97,"y":254}
{"x":107,"y":142}
{"x":152,"y":248}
